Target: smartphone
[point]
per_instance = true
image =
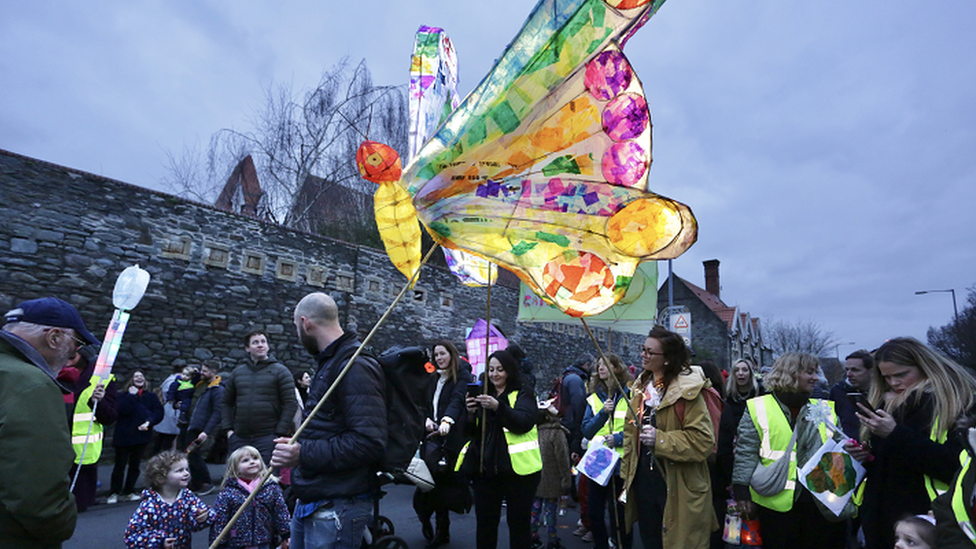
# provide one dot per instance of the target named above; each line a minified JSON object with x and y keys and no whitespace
{"x":474,"y":389}
{"x":855,"y":399}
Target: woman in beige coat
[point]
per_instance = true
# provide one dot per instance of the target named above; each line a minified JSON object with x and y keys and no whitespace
{"x":664,"y":463}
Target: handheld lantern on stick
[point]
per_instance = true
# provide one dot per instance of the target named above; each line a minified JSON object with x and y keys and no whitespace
{"x":129,"y":289}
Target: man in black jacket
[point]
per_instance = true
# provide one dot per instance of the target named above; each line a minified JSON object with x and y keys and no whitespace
{"x":259,"y":399}
{"x":335,"y":457}
{"x":204,"y":424}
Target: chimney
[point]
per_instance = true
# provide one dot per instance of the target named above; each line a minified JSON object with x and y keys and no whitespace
{"x":712,"y":285}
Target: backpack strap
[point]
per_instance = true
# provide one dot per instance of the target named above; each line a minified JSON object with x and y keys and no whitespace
{"x":679,"y":409}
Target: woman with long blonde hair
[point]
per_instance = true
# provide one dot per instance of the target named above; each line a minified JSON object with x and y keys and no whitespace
{"x":917,"y":398}
{"x":604,"y":418}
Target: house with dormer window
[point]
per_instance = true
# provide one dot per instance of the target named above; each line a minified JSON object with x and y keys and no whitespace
{"x":718,"y":331}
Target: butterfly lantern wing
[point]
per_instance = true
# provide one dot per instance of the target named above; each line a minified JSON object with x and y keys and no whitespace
{"x":433,"y":96}
{"x":543,"y":168}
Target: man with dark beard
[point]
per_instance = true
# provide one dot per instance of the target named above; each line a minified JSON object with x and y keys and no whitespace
{"x":335,"y":457}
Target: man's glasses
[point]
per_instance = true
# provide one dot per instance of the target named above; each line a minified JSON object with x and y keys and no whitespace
{"x":647,"y":352}
{"x":78,"y":342}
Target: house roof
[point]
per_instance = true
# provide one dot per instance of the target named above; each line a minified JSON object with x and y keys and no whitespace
{"x":724,"y":312}
{"x":245,"y":178}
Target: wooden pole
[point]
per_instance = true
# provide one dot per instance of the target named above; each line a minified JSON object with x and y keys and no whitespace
{"x":484,"y":388}
{"x":322,"y":401}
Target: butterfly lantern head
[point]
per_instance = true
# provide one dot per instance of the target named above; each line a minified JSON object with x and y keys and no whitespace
{"x":378,"y":163}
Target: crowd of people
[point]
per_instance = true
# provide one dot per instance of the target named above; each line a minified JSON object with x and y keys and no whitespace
{"x":679,"y":450}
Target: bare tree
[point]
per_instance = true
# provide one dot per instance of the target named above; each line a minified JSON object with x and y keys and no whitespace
{"x":304,"y":148}
{"x":957,"y":339}
{"x":801,"y":337}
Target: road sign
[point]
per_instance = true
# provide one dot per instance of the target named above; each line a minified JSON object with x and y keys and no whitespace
{"x":680,"y":323}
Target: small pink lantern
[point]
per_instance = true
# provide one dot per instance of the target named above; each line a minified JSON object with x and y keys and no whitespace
{"x":475,"y":343}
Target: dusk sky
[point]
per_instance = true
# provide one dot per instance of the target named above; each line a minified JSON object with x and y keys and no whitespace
{"x":828,"y":149}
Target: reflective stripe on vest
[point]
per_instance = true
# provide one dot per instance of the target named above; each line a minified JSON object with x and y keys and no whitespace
{"x":82,"y":418}
{"x":460,"y":458}
{"x":619,"y":418}
{"x":934,"y":487}
{"x":775,"y":433}
{"x":958,"y":505}
{"x":523,"y":449}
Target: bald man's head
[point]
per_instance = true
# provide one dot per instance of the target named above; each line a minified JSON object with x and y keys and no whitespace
{"x":318,"y":308}
{"x":317,"y":322}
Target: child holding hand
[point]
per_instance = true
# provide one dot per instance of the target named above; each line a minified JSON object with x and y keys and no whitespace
{"x":169,"y":512}
{"x":265,"y":523}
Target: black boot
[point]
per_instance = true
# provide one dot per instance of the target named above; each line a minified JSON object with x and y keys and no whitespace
{"x":426,"y":529}
{"x":443,"y":535}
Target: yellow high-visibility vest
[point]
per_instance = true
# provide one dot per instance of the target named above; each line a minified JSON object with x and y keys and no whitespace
{"x":775,"y":434}
{"x":523,"y":449}
{"x":615,"y":424}
{"x":958,"y":505}
{"x":934,"y":487}
{"x":79,"y":425}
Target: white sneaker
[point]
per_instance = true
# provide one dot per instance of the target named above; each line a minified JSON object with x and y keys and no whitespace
{"x":113,"y":499}
{"x":134,"y":497}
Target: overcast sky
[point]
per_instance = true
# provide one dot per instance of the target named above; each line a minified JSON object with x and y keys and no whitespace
{"x":828,"y":149}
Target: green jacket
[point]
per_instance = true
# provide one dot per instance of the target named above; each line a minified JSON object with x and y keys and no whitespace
{"x":37,"y":509}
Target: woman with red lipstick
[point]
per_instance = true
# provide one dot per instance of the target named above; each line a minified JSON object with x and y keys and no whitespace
{"x":911,"y":434}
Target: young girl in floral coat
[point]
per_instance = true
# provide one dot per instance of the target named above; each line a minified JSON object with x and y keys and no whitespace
{"x":169,"y":512}
{"x":266,"y":521}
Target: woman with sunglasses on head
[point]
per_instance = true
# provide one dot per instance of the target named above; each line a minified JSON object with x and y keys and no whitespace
{"x":665,"y":468}
{"x":912,"y":431}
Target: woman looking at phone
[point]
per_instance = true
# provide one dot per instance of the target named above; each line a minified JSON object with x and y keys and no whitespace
{"x":912,"y":436}
{"x":511,"y":465}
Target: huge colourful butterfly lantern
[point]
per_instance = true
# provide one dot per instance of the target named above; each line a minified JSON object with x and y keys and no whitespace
{"x":543,"y":168}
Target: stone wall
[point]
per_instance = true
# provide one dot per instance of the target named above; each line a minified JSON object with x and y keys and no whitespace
{"x":217,"y":275}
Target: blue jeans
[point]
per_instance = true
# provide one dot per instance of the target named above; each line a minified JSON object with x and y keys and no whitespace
{"x":341,"y":526}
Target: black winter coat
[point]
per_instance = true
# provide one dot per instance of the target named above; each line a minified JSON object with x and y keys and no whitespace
{"x":451,"y":403}
{"x":134,"y":410}
{"x":259,"y":400}
{"x":208,"y":410}
{"x":727,"y":428}
{"x":344,"y":442}
{"x":895,"y":486}
{"x":519,"y":419}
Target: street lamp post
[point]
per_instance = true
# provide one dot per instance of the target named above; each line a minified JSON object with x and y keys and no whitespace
{"x":955,"y":311}
{"x":837,"y":348}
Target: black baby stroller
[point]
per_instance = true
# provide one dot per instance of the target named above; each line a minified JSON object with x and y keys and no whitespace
{"x":406,"y":392}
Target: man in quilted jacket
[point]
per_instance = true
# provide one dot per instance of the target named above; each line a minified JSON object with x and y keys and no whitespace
{"x":259,"y":399}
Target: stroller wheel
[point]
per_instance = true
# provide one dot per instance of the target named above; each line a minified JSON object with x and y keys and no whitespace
{"x":383,"y":527}
{"x":390,"y":542}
